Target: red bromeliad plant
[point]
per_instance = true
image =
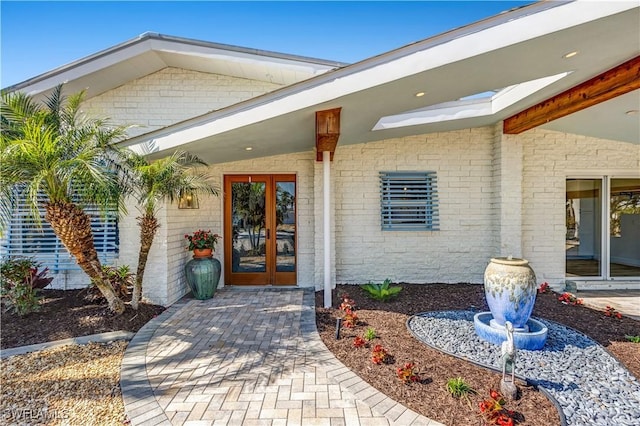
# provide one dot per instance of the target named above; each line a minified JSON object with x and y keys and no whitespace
{"x":379,"y":355}
{"x":350,"y":319}
{"x":569,"y":299}
{"x":493,"y":411}
{"x":407,"y":374}
{"x":347,"y":304}
{"x":544,"y":288}
{"x":359,"y":342}
{"x":611,"y":312}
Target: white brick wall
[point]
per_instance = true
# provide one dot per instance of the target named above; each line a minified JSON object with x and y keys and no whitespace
{"x":210,"y":216}
{"x":507,"y":170}
{"x":548,"y":159}
{"x":498,"y":194}
{"x":458,"y":252}
{"x":172,"y":95}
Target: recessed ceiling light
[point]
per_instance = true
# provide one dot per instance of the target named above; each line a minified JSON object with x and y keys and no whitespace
{"x":633,"y":112}
{"x":570,"y":54}
{"x":249,"y":148}
{"x":419,"y":94}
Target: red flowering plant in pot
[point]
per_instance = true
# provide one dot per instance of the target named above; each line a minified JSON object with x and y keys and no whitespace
{"x":202,"y":243}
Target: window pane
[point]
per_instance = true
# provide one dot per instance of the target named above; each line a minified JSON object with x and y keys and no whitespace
{"x":285,"y":226}
{"x":625,"y":227}
{"x":248,"y":215}
{"x":25,"y":238}
{"x":583,"y":227}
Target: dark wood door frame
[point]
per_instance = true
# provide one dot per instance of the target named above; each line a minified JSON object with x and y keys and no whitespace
{"x":270,"y":276}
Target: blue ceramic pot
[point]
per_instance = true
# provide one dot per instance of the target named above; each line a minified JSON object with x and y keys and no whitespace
{"x":510,"y":289}
{"x":203,"y":274}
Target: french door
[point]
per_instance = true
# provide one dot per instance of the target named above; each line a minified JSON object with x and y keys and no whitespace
{"x":260,"y":217}
{"x":603,"y":228}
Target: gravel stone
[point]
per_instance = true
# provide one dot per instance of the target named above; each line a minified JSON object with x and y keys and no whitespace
{"x":66,"y":385}
{"x":590,"y":385}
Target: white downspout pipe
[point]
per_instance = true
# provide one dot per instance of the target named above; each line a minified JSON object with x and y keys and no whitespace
{"x":326,"y":207}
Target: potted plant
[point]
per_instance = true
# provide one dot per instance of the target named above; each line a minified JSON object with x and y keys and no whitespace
{"x":203,"y":271}
{"x":202,"y":243}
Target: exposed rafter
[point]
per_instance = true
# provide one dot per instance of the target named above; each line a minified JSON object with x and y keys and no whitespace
{"x":327,"y":131}
{"x":612,"y":83}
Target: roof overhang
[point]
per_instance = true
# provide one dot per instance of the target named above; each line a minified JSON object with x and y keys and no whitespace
{"x":151,"y":52}
{"x":516,"y":58}
{"x":517,"y":49}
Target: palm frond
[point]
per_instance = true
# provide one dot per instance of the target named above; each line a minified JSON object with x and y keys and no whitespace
{"x":57,"y":151}
{"x":15,"y":108}
{"x":169,"y":178}
{"x":54,"y":103}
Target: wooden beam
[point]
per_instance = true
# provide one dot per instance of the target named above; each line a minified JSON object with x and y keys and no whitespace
{"x":617,"y":81}
{"x":327,"y":131}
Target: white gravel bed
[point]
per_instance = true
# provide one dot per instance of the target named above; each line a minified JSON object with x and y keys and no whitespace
{"x":590,"y":385}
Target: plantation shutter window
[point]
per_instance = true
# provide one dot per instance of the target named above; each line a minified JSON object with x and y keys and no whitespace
{"x":24,"y":238}
{"x":409,"y":201}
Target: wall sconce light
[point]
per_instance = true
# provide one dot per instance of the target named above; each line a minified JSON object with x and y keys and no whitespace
{"x":188,"y":200}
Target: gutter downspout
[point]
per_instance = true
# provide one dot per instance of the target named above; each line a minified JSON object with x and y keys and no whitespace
{"x":326,"y":205}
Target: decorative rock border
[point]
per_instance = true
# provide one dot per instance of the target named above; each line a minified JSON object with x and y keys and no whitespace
{"x":83,"y":340}
{"x":587,"y":382}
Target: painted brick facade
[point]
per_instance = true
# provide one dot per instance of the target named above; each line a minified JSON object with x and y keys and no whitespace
{"x":498,"y":195}
{"x":458,"y":252}
{"x":548,"y":159}
{"x":151,"y":102}
{"x":172,"y":95}
{"x":210,"y":216}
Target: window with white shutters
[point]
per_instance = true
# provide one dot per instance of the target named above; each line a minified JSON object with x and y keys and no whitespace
{"x":23,"y":237}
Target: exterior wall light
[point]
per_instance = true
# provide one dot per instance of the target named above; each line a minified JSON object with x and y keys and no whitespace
{"x":188,"y":200}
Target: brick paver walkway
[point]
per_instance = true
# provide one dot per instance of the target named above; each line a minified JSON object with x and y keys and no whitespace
{"x":247,"y":357}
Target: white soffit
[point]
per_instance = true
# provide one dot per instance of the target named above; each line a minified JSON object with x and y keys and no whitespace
{"x":151,"y":52}
{"x":509,"y":29}
{"x":477,"y":105}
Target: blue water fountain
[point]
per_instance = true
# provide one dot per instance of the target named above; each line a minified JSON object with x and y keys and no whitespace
{"x":510,"y":289}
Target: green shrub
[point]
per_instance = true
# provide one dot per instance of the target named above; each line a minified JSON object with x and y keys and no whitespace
{"x":633,"y":339}
{"x":16,"y":270}
{"x":120,"y":278}
{"x":20,"y":280}
{"x":382,"y":292}
{"x":458,"y":388}
{"x":370,"y":334}
{"x":22,"y":299}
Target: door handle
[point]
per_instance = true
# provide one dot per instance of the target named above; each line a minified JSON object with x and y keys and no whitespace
{"x":268,"y":234}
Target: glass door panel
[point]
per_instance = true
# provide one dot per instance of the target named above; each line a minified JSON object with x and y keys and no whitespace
{"x":583,"y":228}
{"x":285,"y":226}
{"x":260,"y":217}
{"x":624,"y":228}
{"x":248,"y":216}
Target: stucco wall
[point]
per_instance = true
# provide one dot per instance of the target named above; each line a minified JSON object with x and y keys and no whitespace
{"x":172,"y":95}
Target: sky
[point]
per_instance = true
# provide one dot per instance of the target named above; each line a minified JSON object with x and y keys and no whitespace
{"x":37,"y":37}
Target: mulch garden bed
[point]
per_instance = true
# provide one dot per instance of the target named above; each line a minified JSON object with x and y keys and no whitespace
{"x":66,"y":313}
{"x":430,"y":396}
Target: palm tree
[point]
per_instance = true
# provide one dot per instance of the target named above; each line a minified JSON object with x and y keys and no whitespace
{"x":167,"y":179}
{"x":55,"y":150}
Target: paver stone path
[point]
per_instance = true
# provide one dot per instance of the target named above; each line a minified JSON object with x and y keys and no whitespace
{"x":247,"y":357}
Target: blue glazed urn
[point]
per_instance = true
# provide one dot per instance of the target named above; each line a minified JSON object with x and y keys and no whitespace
{"x":510,"y":290}
{"x":203,"y":274}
